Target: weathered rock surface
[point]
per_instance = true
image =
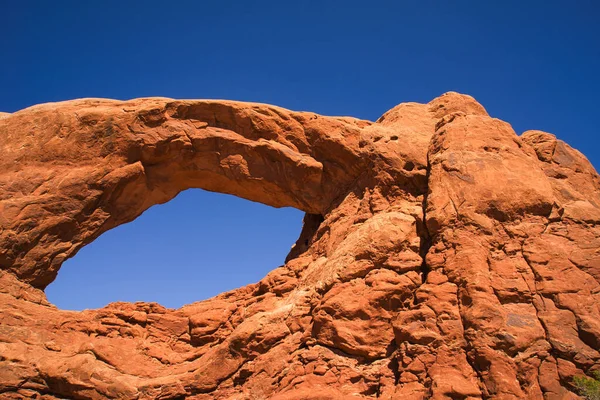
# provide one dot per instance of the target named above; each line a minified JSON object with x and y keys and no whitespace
{"x":442,"y":255}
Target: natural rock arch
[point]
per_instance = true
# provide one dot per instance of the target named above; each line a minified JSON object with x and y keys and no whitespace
{"x":103,"y":162}
{"x":442,"y":255}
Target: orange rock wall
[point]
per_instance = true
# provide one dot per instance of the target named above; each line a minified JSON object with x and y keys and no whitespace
{"x":442,"y":255}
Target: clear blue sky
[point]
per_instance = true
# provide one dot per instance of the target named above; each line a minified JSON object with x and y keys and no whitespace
{"x":534,"y":64}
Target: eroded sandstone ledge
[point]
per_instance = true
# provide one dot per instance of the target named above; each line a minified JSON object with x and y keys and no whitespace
{"x":442,"y":255}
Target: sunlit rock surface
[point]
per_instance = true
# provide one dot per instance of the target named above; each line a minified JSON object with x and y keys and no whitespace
{"x":442,"y":255}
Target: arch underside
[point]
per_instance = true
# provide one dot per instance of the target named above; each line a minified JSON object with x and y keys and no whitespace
{"x":441,"y":256}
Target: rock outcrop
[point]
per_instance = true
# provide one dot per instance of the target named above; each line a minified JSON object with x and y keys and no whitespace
{"x":442,"y":256}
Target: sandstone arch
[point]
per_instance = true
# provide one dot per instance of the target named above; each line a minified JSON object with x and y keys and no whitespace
{"x":442,"y":255}
{"x":131,"y":155}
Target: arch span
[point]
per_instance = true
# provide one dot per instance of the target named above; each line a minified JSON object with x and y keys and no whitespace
{"x":103,"y":162}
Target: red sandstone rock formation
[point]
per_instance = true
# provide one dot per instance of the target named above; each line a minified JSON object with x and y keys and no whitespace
{"x":442,"y":255}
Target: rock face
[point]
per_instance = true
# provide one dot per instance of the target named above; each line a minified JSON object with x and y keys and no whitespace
{"x":442,"y":255}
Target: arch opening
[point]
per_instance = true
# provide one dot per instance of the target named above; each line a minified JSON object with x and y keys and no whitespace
{"x":191,"y":248}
